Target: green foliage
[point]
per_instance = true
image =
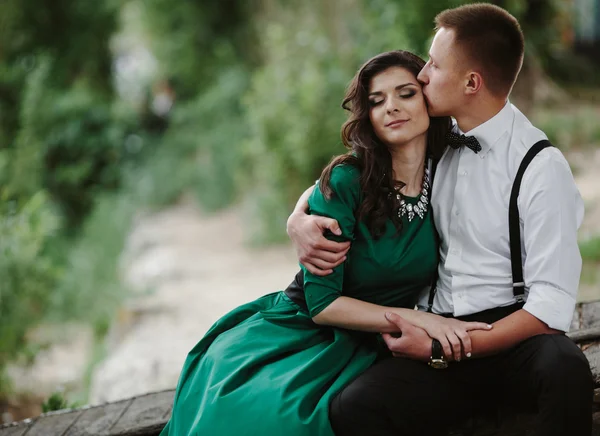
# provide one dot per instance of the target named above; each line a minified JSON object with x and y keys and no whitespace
{"x":590,"y":249}
{"x":61,"y":143}
{"x":196,"y":40}
{"x":570,"y":126}
{"x":293,"y":105}
{"x":57,"y":401}
{"x":201,"y":148}
{"x":85,"y":150}
{"x":28,"y":274}
{"x":81,"y":44}
{"x":90,"y":289}
{"x":73,"y":151}
{"x":292,"y":117}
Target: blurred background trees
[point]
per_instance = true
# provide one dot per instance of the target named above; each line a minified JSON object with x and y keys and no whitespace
{"x":115,"y":106}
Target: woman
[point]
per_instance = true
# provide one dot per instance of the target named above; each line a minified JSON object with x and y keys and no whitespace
{"x":272,"y":366}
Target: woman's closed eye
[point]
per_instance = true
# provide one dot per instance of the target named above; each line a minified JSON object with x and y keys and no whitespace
{"x":408,"y":94}
{"x":374,"y":103}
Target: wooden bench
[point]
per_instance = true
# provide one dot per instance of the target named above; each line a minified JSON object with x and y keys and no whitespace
{"x":146,"y":415}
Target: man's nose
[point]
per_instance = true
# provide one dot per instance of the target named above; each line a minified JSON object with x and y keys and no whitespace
{"x":422,"y":77}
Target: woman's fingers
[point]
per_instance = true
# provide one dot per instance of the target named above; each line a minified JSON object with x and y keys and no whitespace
{"x":465,"y":339}
{"x":446,"y":346}
{"x":455,"y":344}
{"x":468,"y":326}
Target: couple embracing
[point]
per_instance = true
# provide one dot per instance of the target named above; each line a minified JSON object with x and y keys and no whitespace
{"x":415,"y":214}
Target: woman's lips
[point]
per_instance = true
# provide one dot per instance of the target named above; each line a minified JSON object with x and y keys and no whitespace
{"x":396,"y":123}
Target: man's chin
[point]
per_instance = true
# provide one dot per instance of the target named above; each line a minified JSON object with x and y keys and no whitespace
{"x":433,"y":112}
{"x":437,"y":112}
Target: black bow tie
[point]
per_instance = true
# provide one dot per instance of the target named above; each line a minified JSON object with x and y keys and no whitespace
{"x":456,"y":140}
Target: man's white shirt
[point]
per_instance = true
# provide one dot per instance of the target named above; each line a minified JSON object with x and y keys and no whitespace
{"x":470,"y":197}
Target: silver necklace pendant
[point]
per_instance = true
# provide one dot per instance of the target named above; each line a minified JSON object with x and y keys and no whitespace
{"x":418,"y":209}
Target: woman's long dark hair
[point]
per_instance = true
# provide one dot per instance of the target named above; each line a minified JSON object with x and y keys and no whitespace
{"x":368,"y":153}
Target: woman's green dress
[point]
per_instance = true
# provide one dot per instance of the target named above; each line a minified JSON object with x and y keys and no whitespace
{"x":266,"y":368}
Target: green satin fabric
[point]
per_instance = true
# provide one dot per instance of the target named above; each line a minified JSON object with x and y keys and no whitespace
{"x":267,"y":369}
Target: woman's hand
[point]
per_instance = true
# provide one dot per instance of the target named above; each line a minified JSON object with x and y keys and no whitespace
{"x":452,"y":334}
{"x":317,"y":253}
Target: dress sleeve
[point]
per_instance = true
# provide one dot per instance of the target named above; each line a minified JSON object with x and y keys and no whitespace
{"x":320,"y":292}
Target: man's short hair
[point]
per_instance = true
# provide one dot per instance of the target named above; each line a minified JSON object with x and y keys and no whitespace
{"x":490,"y":37}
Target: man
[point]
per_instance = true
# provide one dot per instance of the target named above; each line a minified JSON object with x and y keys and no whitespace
{"x":475,"y":58}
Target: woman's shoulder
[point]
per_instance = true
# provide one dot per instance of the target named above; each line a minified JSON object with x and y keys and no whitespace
{"x":345,"y":174}
{"x":341,"y":184}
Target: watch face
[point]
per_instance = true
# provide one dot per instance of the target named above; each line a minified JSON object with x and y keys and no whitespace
{"x":438,"y":363}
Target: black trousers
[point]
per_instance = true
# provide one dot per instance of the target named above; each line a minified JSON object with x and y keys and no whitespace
{"x":546,"y":374}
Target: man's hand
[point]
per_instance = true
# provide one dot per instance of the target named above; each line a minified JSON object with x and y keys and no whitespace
{"x":317,"y":253}
{"x":414,"y":343}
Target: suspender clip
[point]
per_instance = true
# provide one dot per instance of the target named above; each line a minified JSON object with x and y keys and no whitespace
{"x":520,"y":298}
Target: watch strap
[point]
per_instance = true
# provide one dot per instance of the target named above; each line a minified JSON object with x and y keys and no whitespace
{"x":436,"y":349}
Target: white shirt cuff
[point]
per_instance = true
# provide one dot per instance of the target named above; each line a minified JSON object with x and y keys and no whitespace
{"x":551,"y":305}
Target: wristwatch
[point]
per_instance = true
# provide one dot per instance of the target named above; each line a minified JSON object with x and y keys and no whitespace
{"x":437,"y":360}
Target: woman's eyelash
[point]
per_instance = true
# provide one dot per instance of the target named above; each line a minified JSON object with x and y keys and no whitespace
{"x":410,"y":94}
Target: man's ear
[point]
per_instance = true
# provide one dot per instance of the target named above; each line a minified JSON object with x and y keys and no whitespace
{"x":473,"y":82}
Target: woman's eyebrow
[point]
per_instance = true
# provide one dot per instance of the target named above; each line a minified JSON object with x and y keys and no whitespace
{"x":397,"y":88}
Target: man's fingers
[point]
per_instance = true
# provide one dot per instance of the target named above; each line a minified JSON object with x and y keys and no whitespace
{"x":466,"y":342}
{"x":328,"y":256}
{"x":322,"y":264}
{"x":477,"y":326}
{"x":317,"y":271}
{"x":331,"y":224}
{"x":393,"y":343}
{"x":397,"y":320}
{"x":332,"y":246}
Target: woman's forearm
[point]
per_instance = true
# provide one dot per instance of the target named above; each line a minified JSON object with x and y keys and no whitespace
{"x":354,"y":314}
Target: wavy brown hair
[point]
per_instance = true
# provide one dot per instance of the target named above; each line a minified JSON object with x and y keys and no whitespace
{"x":366,"y":151}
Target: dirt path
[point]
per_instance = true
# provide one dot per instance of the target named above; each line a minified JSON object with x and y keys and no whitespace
{"x":197,"y":268}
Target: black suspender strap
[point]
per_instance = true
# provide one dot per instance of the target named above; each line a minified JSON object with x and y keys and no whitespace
{"x":432,"y":289}
{"x":514,"y":227}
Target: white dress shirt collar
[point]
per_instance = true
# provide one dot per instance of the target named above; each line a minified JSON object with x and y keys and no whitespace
{"x":490,"y":132}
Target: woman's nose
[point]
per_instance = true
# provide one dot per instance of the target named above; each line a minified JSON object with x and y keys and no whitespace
{"x":391,"y":106}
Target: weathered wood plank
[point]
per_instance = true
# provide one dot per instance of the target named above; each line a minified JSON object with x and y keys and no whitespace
{"x":146,"y":413}
{"x":54,"y":424}
{"x":592,"y":353}
{"x":590,"y":314}
{"x":98,"y":420}
{"x":16,"y":430}
{"x":583,"y":335}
